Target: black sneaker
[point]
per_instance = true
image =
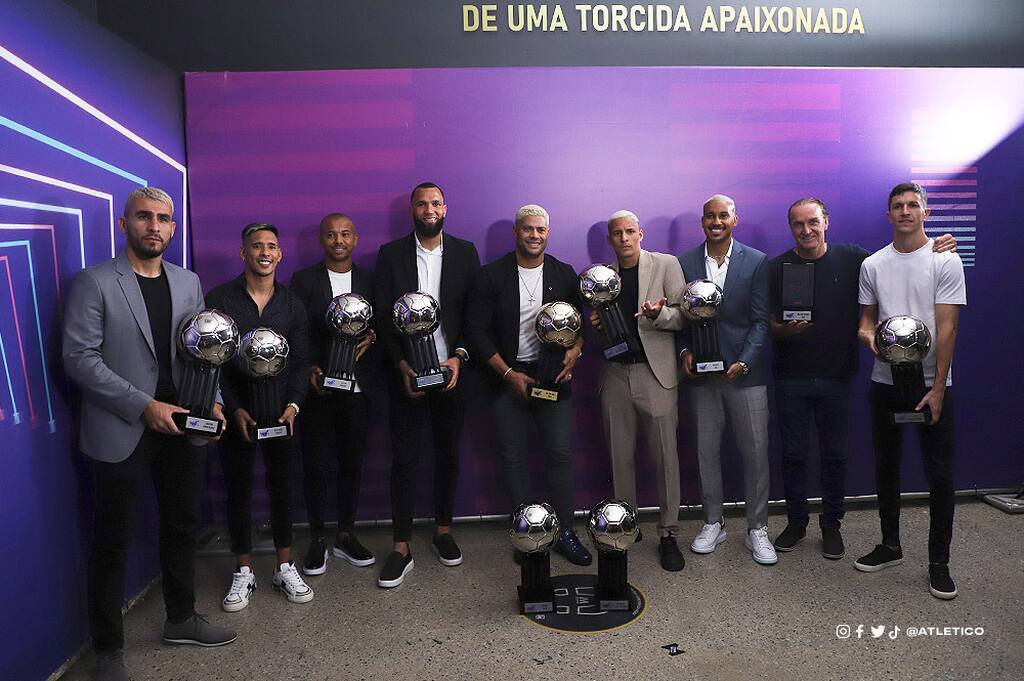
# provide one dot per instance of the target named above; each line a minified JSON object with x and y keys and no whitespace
{"x":832,"y":543}
{"x":671,"y":559}
{"x":447,"y":550}
{"x":881,"y":557}
{"x":790,"y":537}
{"x":941,"y":584}
{"x":570,"y":546}
{"x":197,"y":631}
{"x":110,"y":667}
{"x":396,"y":567}
{"x":316,"y":557}
{"x":347,"y":546}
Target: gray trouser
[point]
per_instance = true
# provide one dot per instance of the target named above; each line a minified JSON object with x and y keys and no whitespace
{"x":748,"y":412}
{"x":632,"y":395}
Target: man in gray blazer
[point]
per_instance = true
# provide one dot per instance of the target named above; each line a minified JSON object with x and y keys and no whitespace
{"x":641,"y":387}
{"x":742,"y":273}
{"x":119,"y":349}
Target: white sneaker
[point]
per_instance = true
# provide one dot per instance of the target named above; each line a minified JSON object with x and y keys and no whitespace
{"x":708,"y":538}
{"x":761,"y":547}
{"x":243,"y":583}
{"x":288,"y":581}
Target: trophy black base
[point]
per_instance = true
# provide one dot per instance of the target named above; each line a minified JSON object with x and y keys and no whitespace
{"x":908,"y":382}
{"x":433,"y":380}
{"x":536,"y":594}
{"x":534,"y":600}
{"x":797,"y":315}
{"x":620,"y":348}
{"x":612,"y":589}
{"x":899,"y":418}
{"x":338,"y":384}
{"x":194,"y":424}
{"x":265,"y":432}
{"x":706,"y":354}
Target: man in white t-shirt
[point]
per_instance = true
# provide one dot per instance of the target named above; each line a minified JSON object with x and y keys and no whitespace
{"x":908,"y":278}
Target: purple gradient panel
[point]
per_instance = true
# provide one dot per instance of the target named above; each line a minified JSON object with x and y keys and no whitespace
{"x":585,"y":142}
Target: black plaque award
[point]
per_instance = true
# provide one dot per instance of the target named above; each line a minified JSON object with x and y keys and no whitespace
{"x":613,"y":529}
{"x":264,"y":354}
{"x":558,"y":326}
{"x":600,"y":286}
{"x":534,"y":529}
{"x":700,"y":303}
{"x":417,"y":315}
{"x":903,"y":342}
{"x":797,"y":291}
{"x":209,"y":339}
{"x":348,"y":317}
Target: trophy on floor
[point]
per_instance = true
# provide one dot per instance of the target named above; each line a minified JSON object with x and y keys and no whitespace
{"x":417,"y":315}
{"x":797,"y":291}
{"x":903,"y":343}
{"x":700,"y":303}
{"x":209,"y":339}
{"x":600,"y":286}
{"x":264,"y":354}
{"x":534,"y":529}
{"x":558,"y":326}
{"x":348,"y":317}
{"x":613,"y":529}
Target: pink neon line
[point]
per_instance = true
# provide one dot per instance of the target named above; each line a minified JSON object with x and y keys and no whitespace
{"x":952,"y":195}
{"x":947,"y":183}
{"x":942,"y":170}
{"x":53,"y":241}
{"x":17,"y":333}
{"x":759,"y":97}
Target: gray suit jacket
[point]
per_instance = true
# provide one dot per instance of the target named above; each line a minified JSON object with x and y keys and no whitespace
{"x":659,"y":277}
{"x":743,"y":315}
{"x":108,"y":351}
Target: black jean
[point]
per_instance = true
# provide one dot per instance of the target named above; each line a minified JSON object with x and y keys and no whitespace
{"x":444,"y":411}
{"x":176,"y":468}
{"x":826,"y":402}
{"x":334,"y":431}
{"x":937,"y":453}
{"x":238,"y":458}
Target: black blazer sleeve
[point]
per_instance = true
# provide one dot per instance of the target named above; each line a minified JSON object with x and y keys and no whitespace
{"x":468,"y":266}
{"x":481,"y":322}
{"x":298,"y":354}
{"x":384,"y":283}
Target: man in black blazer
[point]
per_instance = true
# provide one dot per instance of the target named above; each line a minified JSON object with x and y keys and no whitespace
{"x":437,"y":263}
{"x":334,"y":425}
{"x":504,"y":305}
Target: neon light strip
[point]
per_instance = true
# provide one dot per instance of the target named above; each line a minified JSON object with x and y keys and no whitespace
{"x":67,"y":94}
{"x":21,"y":347}
{"x":3,"y":351}
{"x":39,"y":328}
{"x":53,"y":240}
{"x":68,"y":185}
{"x":14,"y":203}
{"x":67,"y":149}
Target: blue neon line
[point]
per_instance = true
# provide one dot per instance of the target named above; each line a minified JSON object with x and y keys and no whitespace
{"x":7,"y":372}
{"x":14,"y":203}
{"x":39,"y":327}
{"x":67,"y":149}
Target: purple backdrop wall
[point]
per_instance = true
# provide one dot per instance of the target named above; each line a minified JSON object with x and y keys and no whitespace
{"x":584,"y":142}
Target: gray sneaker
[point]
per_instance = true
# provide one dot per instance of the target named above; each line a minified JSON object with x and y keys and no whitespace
{"x":110,"y":667}
{"x":197,"y":631}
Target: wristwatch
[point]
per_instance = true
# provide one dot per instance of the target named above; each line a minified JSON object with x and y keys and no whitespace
{"x":745,"y":367}
{"x":293,"y":406}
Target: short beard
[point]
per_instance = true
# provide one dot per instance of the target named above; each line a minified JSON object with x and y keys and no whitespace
{"x":428,"y":231}
{"x":147,"y":252}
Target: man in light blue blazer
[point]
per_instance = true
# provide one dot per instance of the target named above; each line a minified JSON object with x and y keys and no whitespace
{"x":743,"y":325}
{"x":119,"y":349}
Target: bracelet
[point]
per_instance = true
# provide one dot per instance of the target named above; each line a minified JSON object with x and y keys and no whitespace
{"x":507,"y":372}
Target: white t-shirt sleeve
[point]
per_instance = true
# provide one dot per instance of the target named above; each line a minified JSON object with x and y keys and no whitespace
{"x":867,"y":296}
{"x":950,"y":286}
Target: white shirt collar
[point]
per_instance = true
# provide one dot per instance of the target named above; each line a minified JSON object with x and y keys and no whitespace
{"x":728,"y":254}
{"x":437,"y":251}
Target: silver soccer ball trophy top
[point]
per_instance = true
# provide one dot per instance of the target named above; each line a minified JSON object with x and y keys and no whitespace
{"x":417,"y":314}
{"x":612,"y":526}
{"x":209,"y":336}
{"x":534,"y":527}
{"x":701,"y":299}
{"x":903,"y":340}
{"x":559,"y":324}
{"x":349,"y":315}
{"x":264,"y":352}
{"x":600,"y":284}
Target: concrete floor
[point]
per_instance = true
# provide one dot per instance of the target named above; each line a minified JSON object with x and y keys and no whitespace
{"x":732,"y":618}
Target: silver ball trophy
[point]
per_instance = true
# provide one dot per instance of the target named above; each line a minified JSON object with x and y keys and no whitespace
{"x":348,"y":317}
{"x":533,"y":531}
{"x":701,"y":299}
{"x":558,"y":326}
{"x":600,"y":286}
{"x":208,"y":339}
{"x":417,"y":315}
{"x":903,"y":342}
{"x":612,"y":526}
{"x":264,"y":354}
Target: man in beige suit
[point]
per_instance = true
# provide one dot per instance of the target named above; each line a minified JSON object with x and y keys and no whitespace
{"x":640,"y":387}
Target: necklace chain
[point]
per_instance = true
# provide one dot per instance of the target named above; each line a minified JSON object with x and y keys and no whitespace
{"x":531,"y":295}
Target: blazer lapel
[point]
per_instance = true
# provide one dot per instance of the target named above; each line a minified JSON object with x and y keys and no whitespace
{"x":323,"y":280}
{"x":734,"y":264}
{"x":409,"y":263}
{"x":446,"y":265}
{"x":644,"y":276}
{"x":130,"y":286}
{"x":548,"y":282}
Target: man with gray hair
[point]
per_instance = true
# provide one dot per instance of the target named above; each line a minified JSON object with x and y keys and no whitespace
{"x":640,"y":387}
{"x":504,"y":304}
{"x":742,"y":273}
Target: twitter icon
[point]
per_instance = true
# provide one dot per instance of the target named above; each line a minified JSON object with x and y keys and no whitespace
{"x":876,"y":632}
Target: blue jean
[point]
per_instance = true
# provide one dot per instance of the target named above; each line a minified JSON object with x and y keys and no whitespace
{"x":798,"y":401}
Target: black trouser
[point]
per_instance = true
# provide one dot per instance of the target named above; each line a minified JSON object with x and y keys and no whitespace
{"x":238,"y":458}
{"x":444,"y":411}
{"x":333,"y":431}
{"x":176,"y":468}
{"x":936,"y":451}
